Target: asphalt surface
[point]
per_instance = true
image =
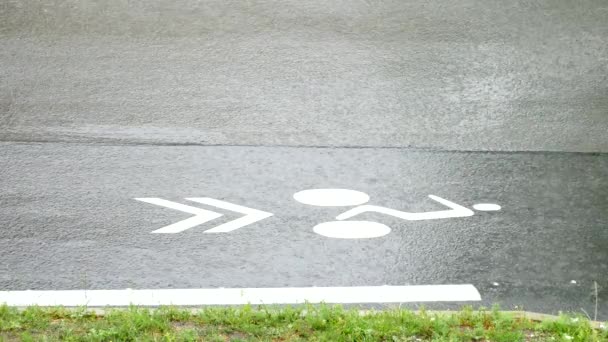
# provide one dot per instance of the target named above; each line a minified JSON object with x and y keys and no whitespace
{"x":473,"y":101}
{"x":462,"y":75}
{"x":71,"y":220}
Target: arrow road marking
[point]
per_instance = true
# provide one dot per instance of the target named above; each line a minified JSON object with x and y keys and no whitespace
{"x":201,"y":217}
{"x":251,"y":215}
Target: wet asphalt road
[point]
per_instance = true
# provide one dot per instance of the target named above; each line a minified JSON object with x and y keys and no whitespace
{"x":473,"y":101}
{"x":71,"y":220}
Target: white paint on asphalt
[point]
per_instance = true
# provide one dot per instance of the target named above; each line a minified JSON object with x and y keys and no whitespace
{"x":486,"y":207}
{"x":241,"y":296}
{"x":331,"y":197}
{"x":251,"y":215}
{"x":351,"y":229}
{"x":201,"y":217}
{"x":455,"y":210}
{"x":367,"y":229}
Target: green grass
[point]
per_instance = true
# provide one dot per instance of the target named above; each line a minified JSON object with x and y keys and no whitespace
{"x":302,"y":323}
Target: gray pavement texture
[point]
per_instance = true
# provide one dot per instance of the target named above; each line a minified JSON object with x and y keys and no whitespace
{"x":71,"y":220}
{"x":456,"y":75}
{"x":249,"y":102}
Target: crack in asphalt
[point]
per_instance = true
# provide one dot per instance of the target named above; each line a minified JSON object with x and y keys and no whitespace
{"x":118,"y":142}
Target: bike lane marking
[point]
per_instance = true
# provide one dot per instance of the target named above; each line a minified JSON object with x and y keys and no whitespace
{"x":243,"y":296}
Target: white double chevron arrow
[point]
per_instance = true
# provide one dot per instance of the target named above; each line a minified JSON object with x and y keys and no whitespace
{"x":202,"y":215}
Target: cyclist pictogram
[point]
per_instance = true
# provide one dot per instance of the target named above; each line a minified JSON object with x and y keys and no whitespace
{"x":369,"y":229}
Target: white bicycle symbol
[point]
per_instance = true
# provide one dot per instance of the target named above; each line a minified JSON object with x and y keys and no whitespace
{"x":367,"y":229}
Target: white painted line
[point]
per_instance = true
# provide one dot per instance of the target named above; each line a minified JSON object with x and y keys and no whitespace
{"x":252,"y":215}
{"x":201,"y":217}
{"x":486,"y":207}
{"x":331,"y":197}
{"x":241,"y":296}
{"x":456,"y":210}
{"x":351,"y":229}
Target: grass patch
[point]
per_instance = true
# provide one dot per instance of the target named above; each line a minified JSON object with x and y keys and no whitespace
{"x":301,"y":323}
